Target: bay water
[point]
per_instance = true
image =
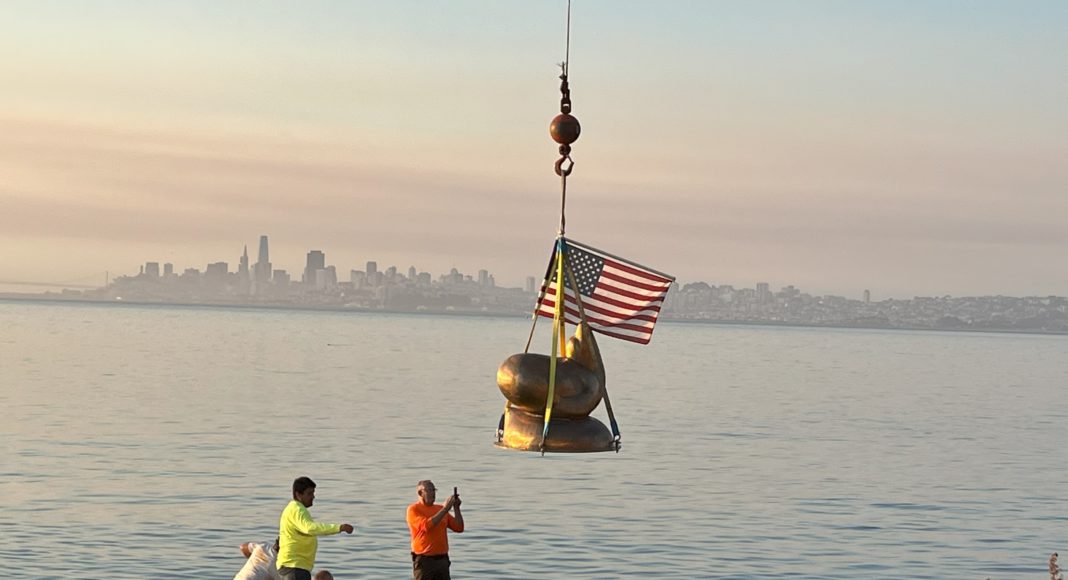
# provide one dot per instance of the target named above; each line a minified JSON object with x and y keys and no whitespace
{"x":150,"y":441}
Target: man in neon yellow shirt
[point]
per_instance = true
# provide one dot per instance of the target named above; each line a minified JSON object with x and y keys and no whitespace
{"x":297,"y":533}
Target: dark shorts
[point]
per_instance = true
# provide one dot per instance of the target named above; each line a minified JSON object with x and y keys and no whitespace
{"x":431,"y":567}
{"x":294,"y":573}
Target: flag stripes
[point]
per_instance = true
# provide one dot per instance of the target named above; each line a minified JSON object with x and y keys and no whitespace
{"x":622,"y":300}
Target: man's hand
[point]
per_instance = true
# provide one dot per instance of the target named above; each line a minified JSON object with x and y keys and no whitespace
{"x":347,"y":528}
{"x":456,"y":501}
{"x":451,"y":501}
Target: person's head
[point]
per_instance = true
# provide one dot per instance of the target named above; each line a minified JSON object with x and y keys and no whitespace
{"x":276,"y":545}
{"x":323,"y":575}
{"x":427,"y":492}
{"x":304,"y":490}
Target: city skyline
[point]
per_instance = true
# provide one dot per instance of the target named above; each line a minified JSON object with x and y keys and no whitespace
{"x":316,"y":259}
{"x":241,"y":265}
{"x":389,"y":289}
{"x":906,"y":149}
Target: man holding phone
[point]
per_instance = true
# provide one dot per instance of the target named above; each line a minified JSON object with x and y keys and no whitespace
{"x":427,"y":522}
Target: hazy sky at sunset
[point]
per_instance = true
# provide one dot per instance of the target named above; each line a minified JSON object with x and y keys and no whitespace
{"x":908,"y":147}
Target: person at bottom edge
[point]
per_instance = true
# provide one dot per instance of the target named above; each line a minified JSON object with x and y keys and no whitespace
{"x":428,"y":522}
{"x":297,"y":533}
{"x":260,"y":563}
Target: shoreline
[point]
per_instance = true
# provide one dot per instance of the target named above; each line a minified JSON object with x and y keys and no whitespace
{"x":52,"y":299}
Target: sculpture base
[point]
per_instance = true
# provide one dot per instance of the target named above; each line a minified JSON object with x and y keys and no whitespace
{"x":522,"y":432}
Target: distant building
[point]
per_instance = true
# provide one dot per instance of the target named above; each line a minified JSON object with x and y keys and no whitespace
{"x":453,"y":278}
{"x":242,"y":265}
{"x":280,"y":278}
{"x":217,"y":271}
{"x":152,"y":269}
{"x":763,"y":293}
{"x":168,"y":269}
{"x":484,"y":279}
{"x":262,"y":269}
{"x":316,"y":261}
{"x":358,"y":278}
{"x":867,"y":296}
{"x":411,"y":273}
{"x":372,"y":269}
{"x":326,"y":278}
{"x":789,"y":292}
{"x":531,"y":285}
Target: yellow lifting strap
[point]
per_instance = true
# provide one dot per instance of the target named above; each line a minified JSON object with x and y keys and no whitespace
{"x":557,"y":338}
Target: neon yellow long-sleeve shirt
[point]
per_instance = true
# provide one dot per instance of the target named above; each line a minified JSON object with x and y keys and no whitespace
{"x":297,"y":533}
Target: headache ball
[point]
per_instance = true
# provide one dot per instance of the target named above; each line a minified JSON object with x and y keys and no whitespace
{"x":564,"y":129}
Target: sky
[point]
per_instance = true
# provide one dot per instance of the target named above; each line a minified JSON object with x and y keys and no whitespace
{"x":911,"y":148}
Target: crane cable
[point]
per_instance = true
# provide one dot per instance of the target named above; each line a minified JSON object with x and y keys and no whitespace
{"x":564,"y":130}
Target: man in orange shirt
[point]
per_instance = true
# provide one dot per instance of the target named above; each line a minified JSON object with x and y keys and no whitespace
{"x":427,"y":522}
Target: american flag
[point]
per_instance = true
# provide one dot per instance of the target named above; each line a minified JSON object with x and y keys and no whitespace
{"x":621,"y":299}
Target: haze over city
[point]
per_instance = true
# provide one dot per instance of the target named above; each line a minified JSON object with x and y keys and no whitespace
{"x":906,"y":148}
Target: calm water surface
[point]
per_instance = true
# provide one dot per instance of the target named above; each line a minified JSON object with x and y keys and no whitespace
{"x":148,"y":442}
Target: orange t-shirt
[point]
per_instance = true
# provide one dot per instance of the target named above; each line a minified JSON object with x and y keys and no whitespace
{"x":426,"y":540}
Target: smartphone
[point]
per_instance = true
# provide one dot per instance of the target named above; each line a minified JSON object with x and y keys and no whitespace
{"x":455,"y":492}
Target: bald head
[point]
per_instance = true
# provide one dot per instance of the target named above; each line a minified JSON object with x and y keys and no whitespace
{"x":323,"y":575}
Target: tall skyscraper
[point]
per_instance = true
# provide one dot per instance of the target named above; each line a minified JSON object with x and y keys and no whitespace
{"x":263,"y":257}
{"x":316,"y":261}
{"x":372,"y":267}
{"x":242,"y":265}
{"x":262,"y":269}
{"x":152,"y":269}
{"x":411,"y":273}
